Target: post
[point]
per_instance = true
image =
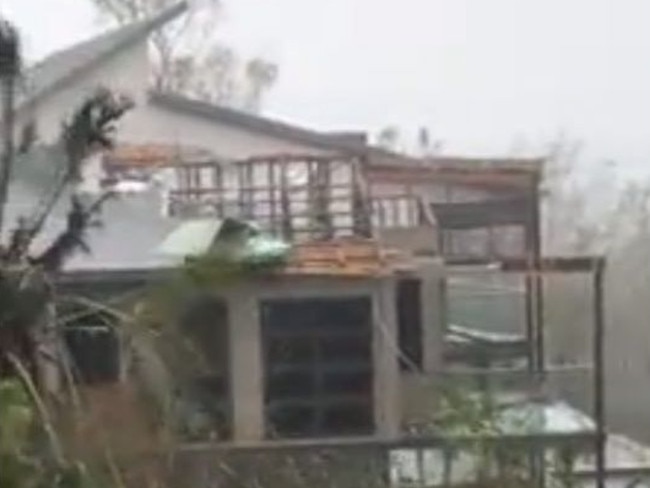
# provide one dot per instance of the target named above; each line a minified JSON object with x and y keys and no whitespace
{"x":540,"y":339}
{"x":9,"y":68}
{"x":7,"y":82}
{"x":599,"y":372}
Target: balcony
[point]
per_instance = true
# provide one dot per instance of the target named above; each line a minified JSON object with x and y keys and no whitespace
{"x":299,"y":199}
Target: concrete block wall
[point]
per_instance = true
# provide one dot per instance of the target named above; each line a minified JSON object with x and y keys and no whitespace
{"x":419,"y":391}
{"x":392,"y":407}
{"x":247,"y":375}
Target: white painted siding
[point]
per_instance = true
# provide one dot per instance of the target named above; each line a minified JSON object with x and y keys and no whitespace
{"x":129,"y":72}
{"x":151,"y":123}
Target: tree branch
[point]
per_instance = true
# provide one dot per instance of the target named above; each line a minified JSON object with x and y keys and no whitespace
{"x":80,"y":219}
{"x":91,"y":129}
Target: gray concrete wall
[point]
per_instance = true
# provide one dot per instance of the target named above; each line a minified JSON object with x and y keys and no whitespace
{"x":246,"y":364}
{"x":418,"y":391}
{"x":422,"y":239}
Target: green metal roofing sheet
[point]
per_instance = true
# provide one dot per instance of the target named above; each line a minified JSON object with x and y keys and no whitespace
{"x":191,"y":238}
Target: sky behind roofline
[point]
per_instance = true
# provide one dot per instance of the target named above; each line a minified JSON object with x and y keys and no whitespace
{"x":481,"y":74}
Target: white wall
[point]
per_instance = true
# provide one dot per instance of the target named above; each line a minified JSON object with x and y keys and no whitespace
{"x":148,"y":123}
{"x":129,"y":72}
{"x":126,"y":72}
{"x":151,"y":123}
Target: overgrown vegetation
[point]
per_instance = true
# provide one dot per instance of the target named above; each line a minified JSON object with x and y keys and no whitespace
{"x":31,"y":453}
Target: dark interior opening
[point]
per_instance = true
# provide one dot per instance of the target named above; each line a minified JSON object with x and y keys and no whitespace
{"x":349,"y":418}
{"x":318,"y":367}
{"x":205,"y":322}
{"x":94,"y":347}
{"x":409,"y":317}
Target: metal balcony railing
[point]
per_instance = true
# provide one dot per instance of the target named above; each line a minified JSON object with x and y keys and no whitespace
{"x":297,"y":198}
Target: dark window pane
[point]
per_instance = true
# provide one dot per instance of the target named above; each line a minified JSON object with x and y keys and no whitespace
{"x":409,"y":317}
{"x":318,"y":355}
{"x":95,"y":353}
{"x":296,"y":384}
{"x":355,"y":382}
{"x":347,"y":419}
{"x":291,"y":421}
{"x":346,"y":349}
{"x":298,"y":350}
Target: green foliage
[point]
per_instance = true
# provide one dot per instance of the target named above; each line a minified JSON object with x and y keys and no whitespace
{"x":475,"y":424}
{"x":16,"y":417}
{"x":31,"y":455}
{"x":240,"y":252}
{"x":23,"y":463}
{"x":465,"y":414}
{"x":91,"y":128}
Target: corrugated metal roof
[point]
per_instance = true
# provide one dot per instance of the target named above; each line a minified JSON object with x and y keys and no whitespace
{"x":132,"y":226}
{"x":337,"y":257}
{"x":473,"y":334}
{"x":533,"y":418}
{"x":191,"y":238}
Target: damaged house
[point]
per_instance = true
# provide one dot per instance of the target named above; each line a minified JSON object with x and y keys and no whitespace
{"x":347,"y":340}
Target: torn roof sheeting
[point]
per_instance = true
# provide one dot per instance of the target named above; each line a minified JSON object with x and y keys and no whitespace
{"x":131,"y":227}
{"x":339,"y":257}
{"x":150,"y":156}
{"x":525,"y":417}
{"x":482,"y":336}
{"x":478,"y":172}
{"x":532,"y":418}
{"x":190,"y":238}
{"x":237,"y":240}
{"x":472,"y":345}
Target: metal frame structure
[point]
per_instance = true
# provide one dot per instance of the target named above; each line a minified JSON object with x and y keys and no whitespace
{"x":535,"y":270}
{"x":515,"y":189}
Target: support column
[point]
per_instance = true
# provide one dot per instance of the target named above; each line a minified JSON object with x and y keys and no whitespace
{"x":387,"y":391}
{"x":246,"y":369}
{"x":434,"y":316}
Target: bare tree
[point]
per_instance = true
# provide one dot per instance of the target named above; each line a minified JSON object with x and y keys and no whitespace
{"x":261,"y":76}
{"x":388,"y":137}
{"x":190,"y":60}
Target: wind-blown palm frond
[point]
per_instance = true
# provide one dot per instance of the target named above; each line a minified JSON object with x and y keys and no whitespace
{"x":91,"y":128}
{"x":80,"y":219}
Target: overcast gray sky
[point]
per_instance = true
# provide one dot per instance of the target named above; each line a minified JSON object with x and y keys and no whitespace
{"x":478,"y":73}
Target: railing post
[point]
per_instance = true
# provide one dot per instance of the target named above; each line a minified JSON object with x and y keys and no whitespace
{"x":599,"y":372}
{"x":362,"y":225}
{"x":285,"y":204}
